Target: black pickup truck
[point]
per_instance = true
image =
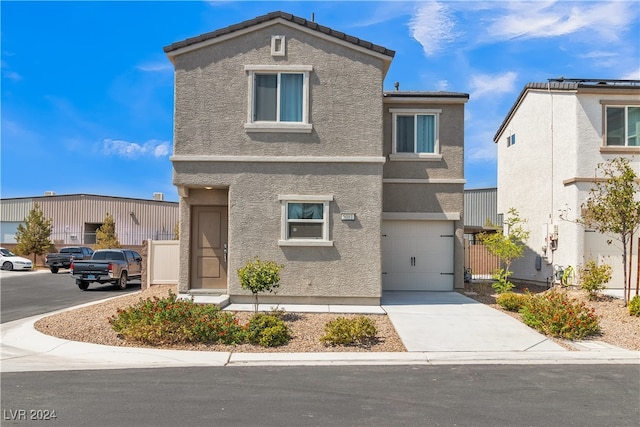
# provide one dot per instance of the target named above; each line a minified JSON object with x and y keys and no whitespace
{"x":114,"y":266}
{"x":66,"y":256}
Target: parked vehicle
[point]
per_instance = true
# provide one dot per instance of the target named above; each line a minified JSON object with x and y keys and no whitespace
{"x":114,"y":266}
{"x":66,"y":256}
{"x":10,"y":261}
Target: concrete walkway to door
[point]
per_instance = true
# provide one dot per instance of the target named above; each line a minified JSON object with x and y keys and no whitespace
{"x":452,"y":322}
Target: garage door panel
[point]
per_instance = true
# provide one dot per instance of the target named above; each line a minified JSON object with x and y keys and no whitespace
{"x":417,"y":255}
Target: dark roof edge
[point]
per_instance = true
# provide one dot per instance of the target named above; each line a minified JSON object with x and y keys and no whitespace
{"x":85,"y":194}
{"x":568,"y":85}
{"x":426,"y":94}
{"x":279,"y":15}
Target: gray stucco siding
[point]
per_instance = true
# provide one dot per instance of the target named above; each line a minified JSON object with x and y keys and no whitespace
{"x":430,"y":198}
{"x":451,"y":138}
{"x":348,"y":269}
{"x":211,"y":101}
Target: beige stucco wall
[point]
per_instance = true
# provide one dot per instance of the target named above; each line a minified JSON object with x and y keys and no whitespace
{"x":211,"y":99}
{"x":349,"y":271}
{"x":211,"y":109}
{"x":445,"y":197}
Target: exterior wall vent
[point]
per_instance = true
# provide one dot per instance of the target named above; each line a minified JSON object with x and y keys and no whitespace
{"x":158,"y":196}
{"x":278,"y":46}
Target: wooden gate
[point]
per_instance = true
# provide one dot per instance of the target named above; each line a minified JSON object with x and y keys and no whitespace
{"x":479,"y":260}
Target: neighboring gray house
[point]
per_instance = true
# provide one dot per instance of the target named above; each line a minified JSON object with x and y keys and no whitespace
{"x":287,"y":148}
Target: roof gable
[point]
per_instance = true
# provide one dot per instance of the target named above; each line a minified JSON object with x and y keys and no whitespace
{"x":567,"y":85}
{"x":235,"y":30}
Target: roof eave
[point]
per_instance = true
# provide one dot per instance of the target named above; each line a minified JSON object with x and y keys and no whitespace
{"x":223,"y":34}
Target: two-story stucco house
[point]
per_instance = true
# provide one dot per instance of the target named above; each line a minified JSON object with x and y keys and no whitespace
{"x":549,"y":146}
{"x":287,"y":148}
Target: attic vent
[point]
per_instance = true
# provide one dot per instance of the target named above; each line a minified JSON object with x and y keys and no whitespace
{"x":158,"y":196}
{"x":49,"y":193}
{"x":277,"y":46}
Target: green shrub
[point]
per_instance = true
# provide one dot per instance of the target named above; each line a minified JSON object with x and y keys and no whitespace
{"x":267,"y":330}
{"x":169,"y":320}
{"x":511,"y":301}
{"x":260,"y":276}
{"x":502,"y":284}
{"x":634,"y":306}
{"x":594,"y":277}
{"x":348,"y":331}
{"x":555,"y":314}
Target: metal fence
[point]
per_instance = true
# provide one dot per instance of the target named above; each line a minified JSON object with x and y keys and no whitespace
{"x":71,"y":238}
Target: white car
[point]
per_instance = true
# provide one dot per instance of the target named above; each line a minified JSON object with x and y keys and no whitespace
{"x":10,"y":261}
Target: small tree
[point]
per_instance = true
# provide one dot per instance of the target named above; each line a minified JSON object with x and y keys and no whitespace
{"x":260,"y":276}
{"x":593,"y":277}
{"x":106,"y":237}
{"x":613,"y":207}
{"x":176,"y":231}
{"x":507,"y":247}
{"x":34,"y":236}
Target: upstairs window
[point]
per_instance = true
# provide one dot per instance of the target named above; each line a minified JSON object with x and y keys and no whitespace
{"x":415,"y":132}
{"x":622,"y":126}
{"x":279,"y":98}
{"x":511,"y":140}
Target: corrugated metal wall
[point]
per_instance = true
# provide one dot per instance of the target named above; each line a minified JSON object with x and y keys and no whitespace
{"x":480,"y":205}
{"x":75,"y":217}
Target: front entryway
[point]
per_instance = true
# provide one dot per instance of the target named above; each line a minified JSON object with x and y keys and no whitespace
{"x":417,"y":255}
{"x":209,"y":247}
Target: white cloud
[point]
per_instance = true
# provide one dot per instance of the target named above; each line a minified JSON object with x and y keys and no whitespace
{"x":442,"y":85}
{"x":12,"y":75}
{"x":432,"y":26}
{"x":598,"y":54}
{"x":133,"y":150}
{"x":557,"y":18}
{"x":632,"y":75}
{"x":155,"y":66}
{"x":496,"y":84}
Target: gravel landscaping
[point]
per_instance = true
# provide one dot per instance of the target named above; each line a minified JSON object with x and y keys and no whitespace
{"x":617,"y":327}
{"x":91,"y":324}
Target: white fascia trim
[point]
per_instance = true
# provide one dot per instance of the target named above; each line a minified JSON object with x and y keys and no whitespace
{"x":306,"y":197}
{"x":421,"y":216}
{"x":415,"y":110}
{"x":281,"y":68}
{"x":424,"y":181}
{"x":301,"y":242}
{"x":277,"y":159}
{"x":425,"y":99}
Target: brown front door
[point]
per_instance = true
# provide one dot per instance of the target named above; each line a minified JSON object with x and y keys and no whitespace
{"x":208,"y":247}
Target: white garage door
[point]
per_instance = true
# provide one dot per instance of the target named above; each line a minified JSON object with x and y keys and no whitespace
{"x":417,"y":255}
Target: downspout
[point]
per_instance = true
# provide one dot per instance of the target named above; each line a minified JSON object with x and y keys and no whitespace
{"x":551,"y":180}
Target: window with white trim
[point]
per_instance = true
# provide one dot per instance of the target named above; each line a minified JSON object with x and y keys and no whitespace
{"x":305,"y":220}
{"x":415,"y":132}
{"x":622,"y":127}
{"x":278,"y":98}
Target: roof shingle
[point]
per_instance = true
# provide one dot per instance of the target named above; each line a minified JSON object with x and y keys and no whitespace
{"x":287,"y":17}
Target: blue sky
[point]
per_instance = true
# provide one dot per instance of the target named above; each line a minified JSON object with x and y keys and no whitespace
{"x":87,"y":92}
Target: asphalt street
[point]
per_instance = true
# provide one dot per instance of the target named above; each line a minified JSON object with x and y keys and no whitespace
{"x":490,"y":395}
{"x":28,"y":293}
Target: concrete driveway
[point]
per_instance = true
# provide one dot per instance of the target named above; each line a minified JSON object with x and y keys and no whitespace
{"x":452,"y":322}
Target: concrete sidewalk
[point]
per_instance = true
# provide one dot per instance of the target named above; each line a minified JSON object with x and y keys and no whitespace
{"x":436,"y":327}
